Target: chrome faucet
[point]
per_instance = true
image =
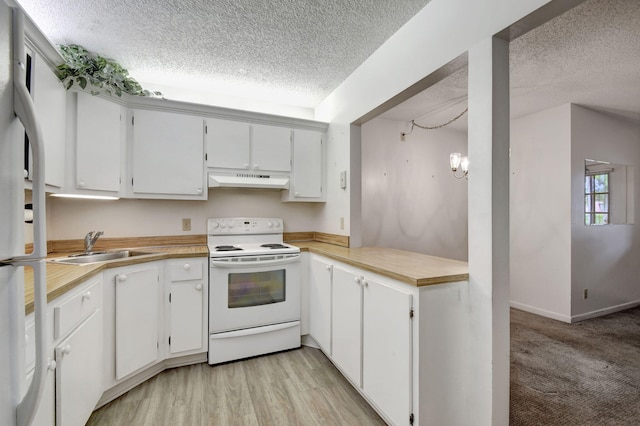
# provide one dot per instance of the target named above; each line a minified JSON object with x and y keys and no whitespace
{"x":90,"y":239}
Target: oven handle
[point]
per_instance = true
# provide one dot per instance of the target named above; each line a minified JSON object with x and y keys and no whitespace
{"x":256,"y":264}
{"x":255,"y":330}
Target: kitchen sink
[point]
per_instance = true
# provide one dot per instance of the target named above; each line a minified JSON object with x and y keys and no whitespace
{"x":101,"y":256}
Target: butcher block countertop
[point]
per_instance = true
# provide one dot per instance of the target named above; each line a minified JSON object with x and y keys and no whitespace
{"x":64,"y":277}
{"x":412,"y":268}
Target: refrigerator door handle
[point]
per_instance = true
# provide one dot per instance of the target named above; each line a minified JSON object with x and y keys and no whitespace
{"x":26,"y":112}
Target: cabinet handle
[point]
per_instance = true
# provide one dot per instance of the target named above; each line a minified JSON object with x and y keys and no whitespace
{"x":328,"y":268}
{"x":199,"y":191}
{"x":256,"y":167}
{"x":357,"y":280}
{"x":246,"y":166}
{"x":66,"y":350}
{"x":365,"y":283}
{"x":122,"y":278}
{"x":81,"y":184}
{"x":186,"y":266}
{"x":86,"y":296}
{"x":297,"y":194}
{"x":199,"y":287}
{"x":51,"y":365}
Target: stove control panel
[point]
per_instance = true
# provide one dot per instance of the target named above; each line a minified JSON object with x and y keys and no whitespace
{"x":244,"y":226}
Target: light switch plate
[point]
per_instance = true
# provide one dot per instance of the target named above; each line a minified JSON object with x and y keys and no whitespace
{"x":343,"y":179}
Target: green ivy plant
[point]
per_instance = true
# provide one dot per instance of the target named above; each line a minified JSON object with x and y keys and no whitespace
{"x":83,"y":68}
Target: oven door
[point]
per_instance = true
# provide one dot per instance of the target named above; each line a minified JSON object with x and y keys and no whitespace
{"x":253,"y":291}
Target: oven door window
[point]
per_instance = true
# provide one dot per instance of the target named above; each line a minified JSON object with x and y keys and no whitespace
{"x":256,"y":288}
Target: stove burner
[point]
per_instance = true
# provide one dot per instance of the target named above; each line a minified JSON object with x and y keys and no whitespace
{"x":274,"y":246}
{"x":227,"y":248}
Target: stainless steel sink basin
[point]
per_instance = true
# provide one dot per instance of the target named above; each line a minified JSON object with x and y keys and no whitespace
{"x":102,"y":256}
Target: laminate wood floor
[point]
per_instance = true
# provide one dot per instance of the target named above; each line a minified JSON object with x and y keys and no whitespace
{"x":297,"y":387}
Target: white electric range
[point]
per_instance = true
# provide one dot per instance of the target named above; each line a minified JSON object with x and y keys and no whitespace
{"x":254,"y":288}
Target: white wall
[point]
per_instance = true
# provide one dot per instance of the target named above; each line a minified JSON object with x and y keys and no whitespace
{"x":605,"y":259}
{"x":541,"y":213}
{"x":72,"y":218}
{"x":554,"y":255}
{"x":410,"y":199}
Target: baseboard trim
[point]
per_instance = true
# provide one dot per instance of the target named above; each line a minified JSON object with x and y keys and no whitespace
{"x":541,"y":312}
{"x":604,"y":311}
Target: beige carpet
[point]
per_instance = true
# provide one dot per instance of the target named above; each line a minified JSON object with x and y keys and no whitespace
{"x":587,"y":373}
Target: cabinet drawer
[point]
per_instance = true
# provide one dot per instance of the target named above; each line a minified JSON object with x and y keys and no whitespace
{"x":185,"y":270}
{"x":72,"y":311}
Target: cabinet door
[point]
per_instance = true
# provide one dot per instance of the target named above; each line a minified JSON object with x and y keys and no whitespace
{"x":320,"y":303}
{"x":98,"y":144}
{"x":78,"y":378}
{"x":137,"y":320}
{"x":228,"y":144}
{"x":50,"y":100}
{"x":347,"y":323}
{"x":168,"y":154}
{"x":386,"y":349}
{"x":187,"y":309}
{"x":270,"y":148}
{"x":306,"y":178}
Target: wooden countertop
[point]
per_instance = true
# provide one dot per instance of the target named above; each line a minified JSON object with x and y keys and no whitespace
{"x":412,"y":268}
{"x":63,"y":277}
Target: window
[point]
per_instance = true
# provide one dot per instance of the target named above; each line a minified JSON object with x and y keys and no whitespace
{"x":596,"y":198}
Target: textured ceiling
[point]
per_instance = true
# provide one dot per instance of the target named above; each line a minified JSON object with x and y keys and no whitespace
{"x":293,"y":51}
{"x":588,"y":56}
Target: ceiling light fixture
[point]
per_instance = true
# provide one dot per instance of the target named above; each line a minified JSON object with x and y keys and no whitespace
{"x":456,"y":160}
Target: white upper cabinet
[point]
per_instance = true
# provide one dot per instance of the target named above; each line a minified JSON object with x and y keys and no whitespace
{"x":167,"y":155}
{"x":228,"y":144}
{"x":307,"y":174}
{"x":49,"y":98}
{"x":270,"y":148}
{"x":253,"y":147}
{"x":98,"y":144}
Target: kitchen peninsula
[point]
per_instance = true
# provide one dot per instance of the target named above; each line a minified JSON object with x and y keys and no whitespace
{"x":401,"y":306}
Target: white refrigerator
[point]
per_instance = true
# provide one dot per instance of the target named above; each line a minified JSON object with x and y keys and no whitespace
{"x":18,"y":399}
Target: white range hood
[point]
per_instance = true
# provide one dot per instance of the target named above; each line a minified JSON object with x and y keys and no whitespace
{"x":247,"y":180}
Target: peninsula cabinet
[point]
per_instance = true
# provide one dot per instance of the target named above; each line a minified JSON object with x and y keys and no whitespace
{"x":99,"y":144}
{"x":320,"y":272}
{"x":371,"y":337}
{"x":167,"y":155}
{"x":396,"y":342}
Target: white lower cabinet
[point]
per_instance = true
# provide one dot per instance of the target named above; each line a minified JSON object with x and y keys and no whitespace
{"x":136,"y":319}
{"x":371,"y":337}
{"x":386,"y":349}
{"x":347,"y":323}
{"x":73,"y":379}
{"x":320,"y":302}
{"x":78,"y":382}
{"x":187,"y":306}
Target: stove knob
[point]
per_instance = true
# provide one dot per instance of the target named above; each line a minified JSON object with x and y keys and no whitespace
{"x":270,"y":225}
{"x":277,"y":224}
{"x":215,"y":225}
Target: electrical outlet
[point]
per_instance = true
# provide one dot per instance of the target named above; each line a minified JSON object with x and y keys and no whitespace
{"x":342,"y":223}
{"x":585,"y":294}
{"x":186,"y":224}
